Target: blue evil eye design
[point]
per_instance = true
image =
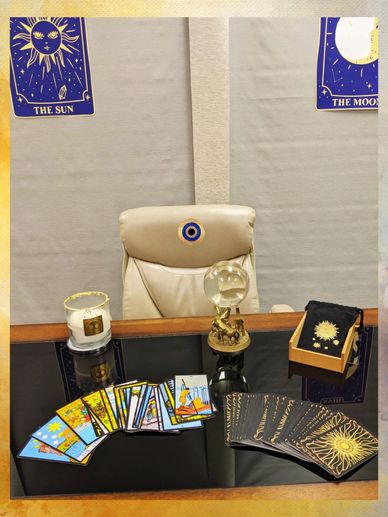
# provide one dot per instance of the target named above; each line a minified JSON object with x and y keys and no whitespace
{"x":191,"y":231}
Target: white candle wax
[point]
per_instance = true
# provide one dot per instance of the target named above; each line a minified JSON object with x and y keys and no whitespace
{"x":75,"y":322}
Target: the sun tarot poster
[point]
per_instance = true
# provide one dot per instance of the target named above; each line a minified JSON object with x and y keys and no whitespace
{"x":50,"y":74}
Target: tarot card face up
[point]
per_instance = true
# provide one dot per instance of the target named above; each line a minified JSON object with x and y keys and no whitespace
{"x":192,"y":395}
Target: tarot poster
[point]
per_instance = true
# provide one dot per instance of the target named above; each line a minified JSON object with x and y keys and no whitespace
{"x":347,"y":72}
{"x":50,"y":74}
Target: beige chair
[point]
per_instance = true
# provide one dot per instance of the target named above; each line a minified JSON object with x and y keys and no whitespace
{"x":167,"y":251}
{"x":163,"y":271}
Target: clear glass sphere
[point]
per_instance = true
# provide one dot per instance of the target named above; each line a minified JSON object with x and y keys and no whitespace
{"x":226,"y":284}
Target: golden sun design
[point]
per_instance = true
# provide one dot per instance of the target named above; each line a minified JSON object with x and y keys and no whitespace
{"x":326,"y":330}
{"x":47,"y":39}
{"x":344,"y":447}
{"x":54,"y":426}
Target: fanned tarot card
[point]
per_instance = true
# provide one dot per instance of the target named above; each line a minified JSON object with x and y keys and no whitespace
{"x":37,"y":450}
{"x":167,"y":404}
{"x":77,"y":416}
{"x":136,"y":393}
{"x":342,"y":448}
{"x":192,"y":397}
{"x":96,"y":404}
{"x":142,"y":406}
{"x":152,"y":420}
{"x":111,"y":396}
{"x":50,"y":73}
{"x":61,"y":437}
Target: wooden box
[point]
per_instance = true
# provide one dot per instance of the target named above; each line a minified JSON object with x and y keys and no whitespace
{"x":328,"y":362}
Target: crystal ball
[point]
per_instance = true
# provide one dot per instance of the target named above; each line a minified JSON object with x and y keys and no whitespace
{"x":226,"y":284}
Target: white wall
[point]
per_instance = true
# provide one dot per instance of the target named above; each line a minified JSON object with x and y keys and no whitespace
{"x":311,"y":175}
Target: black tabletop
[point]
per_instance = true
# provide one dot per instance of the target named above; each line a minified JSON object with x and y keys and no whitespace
{"x":44,"y":376}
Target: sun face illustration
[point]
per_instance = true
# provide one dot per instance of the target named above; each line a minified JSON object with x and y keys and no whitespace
{"x":326,"y":330}
{"x":54,"y":426}
{"x":47,"y":39}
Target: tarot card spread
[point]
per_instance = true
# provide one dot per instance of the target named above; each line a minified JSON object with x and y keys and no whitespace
{"x":80,"y":426}
{"x":307,"y":431}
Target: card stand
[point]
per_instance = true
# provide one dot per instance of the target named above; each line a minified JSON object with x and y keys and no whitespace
{"x":327,"y":362}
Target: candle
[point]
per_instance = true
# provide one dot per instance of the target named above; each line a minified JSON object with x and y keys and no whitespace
{"x":88,"y":318}
{"x":89,"y":325}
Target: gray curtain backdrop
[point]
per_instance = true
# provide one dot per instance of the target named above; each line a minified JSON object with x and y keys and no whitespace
{"x":71,"y":177}
{"x":311,"y":176}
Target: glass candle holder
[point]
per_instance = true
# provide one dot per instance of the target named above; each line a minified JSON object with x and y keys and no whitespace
{"x":95,"y":370}
{"x":88,"y":319}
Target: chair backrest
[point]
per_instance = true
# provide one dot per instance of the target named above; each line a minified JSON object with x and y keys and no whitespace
{"x":167,"y":251}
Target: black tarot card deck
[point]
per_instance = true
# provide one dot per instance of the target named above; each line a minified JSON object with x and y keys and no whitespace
{"x":308,"y":431}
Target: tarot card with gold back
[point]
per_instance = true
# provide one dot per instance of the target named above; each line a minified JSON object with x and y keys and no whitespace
{"x":342,"y":448}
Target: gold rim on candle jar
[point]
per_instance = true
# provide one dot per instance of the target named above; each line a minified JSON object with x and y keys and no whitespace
{"x":86,"y":293}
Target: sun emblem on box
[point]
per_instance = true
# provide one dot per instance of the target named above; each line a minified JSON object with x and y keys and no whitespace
{"x":326,"y":330}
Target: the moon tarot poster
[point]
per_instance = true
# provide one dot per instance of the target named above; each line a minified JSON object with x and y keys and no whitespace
{"x":347,"y":73}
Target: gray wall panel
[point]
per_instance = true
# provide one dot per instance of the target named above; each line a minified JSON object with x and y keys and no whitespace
{"x":310,"y":175}
{"x":71,"y":177}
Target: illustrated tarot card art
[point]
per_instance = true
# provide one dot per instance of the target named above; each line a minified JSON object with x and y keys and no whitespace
{"x":136,"y":394}
{"x":342,"y":448}
{"x":95,"y":404}
{"x":58,"y":435}
{"x":111,"y":396}
{"x":142,"y":406}
{"x":37,"y":450}
{"x":109,"y":408}
{"x":77,"y":416}
{"x":192,"y":396}
{"x":167,"y":405}
{"x":121,"y":395}
{"x":152,"y":420}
